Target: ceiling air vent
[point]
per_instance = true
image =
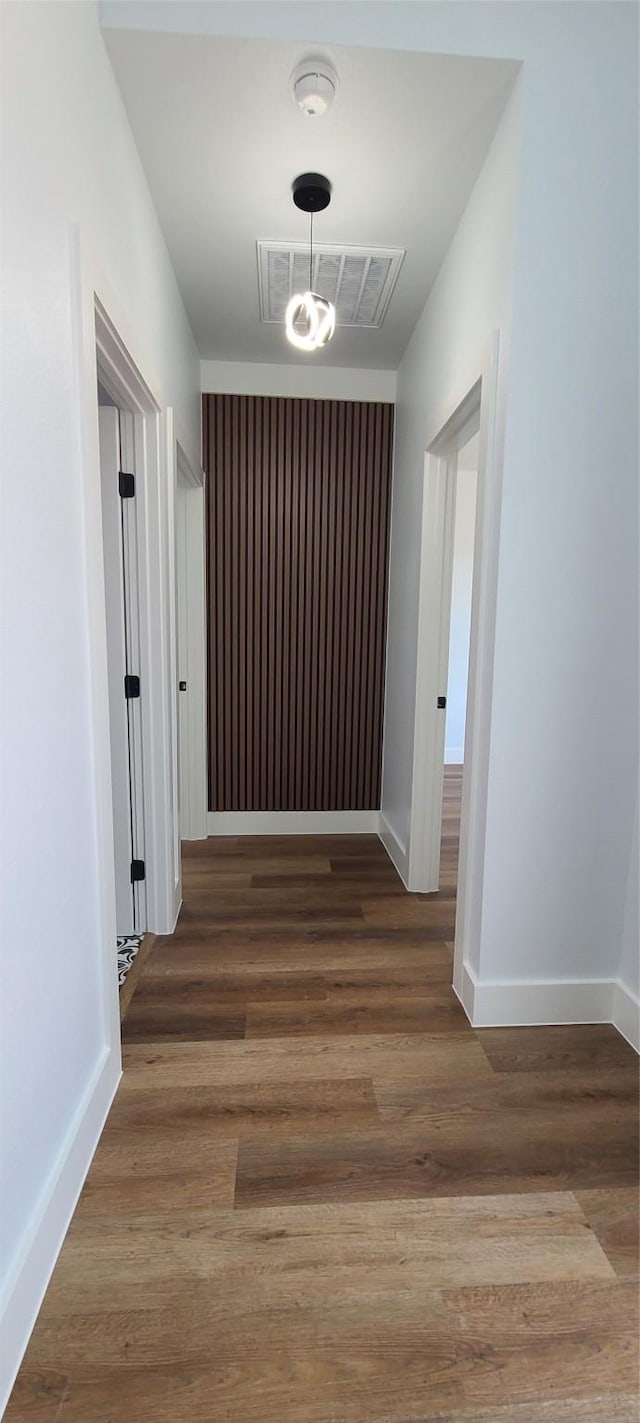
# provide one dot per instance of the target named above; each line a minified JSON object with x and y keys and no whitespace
{"x":358,"y":280}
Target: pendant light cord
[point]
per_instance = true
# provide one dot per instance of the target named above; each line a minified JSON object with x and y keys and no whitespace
{"x":311,"y":251}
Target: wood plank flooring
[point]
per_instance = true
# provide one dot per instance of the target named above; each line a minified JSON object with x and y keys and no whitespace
{"x":321,"y":1197}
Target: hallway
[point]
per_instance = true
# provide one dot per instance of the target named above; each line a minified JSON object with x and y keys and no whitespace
{"x":321,"y":1197}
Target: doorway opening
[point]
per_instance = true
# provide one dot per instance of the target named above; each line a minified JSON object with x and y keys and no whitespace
{"x":130,"y":443}
{"x":464,"y":614}
{"x":463,"y":549}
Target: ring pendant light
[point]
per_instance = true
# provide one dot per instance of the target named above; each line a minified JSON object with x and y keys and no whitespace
{"x":310,"y":319}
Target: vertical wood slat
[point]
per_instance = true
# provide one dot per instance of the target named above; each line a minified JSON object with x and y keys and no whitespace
{"x":298,"y":536}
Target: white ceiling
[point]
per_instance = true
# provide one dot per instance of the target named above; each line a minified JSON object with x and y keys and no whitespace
{"x":221,"y":141}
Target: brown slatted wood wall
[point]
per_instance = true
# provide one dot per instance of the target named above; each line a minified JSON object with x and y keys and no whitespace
{"x":298,"y":532}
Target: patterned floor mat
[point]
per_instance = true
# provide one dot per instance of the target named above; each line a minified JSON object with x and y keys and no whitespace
{"x":127,"y":950}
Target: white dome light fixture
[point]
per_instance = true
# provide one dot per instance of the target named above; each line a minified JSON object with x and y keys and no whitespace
{"x":310,"y":319}
{"x":314,"y":85}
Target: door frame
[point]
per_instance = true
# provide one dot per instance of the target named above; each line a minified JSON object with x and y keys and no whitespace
{"x":434,"y":617}
{"x":478,"y":407}
{"x":154,"y":518}
{"x":105,"y":348}
{"x":192,"y":647}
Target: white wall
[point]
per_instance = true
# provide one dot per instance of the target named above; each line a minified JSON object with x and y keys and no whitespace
{"x":566,"y":633}
{"x":68,"y":158}
{"x":470,"y":299}
{"x":463,"y":541}
{"x":629,"y":971}
{"x":554,"y":893}
{"x":560,"y":805}
{"x":304,"y":380}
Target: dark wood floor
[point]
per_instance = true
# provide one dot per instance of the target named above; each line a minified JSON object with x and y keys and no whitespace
{"x":321,"y":1197}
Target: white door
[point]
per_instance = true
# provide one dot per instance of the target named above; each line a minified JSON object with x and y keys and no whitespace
{"x":123,"y":659}
{"x":184,"y":807}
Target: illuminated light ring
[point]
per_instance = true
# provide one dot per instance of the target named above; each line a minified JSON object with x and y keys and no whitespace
{"x":320,"y":317}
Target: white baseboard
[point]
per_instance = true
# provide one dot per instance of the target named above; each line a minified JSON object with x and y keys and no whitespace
{"x":626,"y":1014}
{"x":464,"y":986}
{"x":31,"y":1270}
{"x":520,"y":1004}
{"x":395,"y":849}
{"x":515,"y":1003}
{"x":293,"y":822}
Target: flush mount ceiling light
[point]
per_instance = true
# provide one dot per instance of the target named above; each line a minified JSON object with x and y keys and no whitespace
{"x":310,"y":319}
{"x":314,"y":85}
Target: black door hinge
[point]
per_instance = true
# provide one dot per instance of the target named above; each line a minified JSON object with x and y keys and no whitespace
{"x":131,"y":686}
{"x":137,"y":870}
{"x":442,"y":702}
{"x":126,"y":485}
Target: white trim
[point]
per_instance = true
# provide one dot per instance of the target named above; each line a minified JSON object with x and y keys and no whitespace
{"x":465,"y":990}
{"x":119,"y":372}
{"x":386,"y":685}
{"x":40,"y":1246}
{"x":171,"y":676}
{"x":434,"y":619}
{"x":396,"y":851}
{"x":192,"y":649}
{"x":626,"y":1014}
{"x":519,"y":1003}
{"x":293,"y":822}
{"x":455,"y":425}
{"x":157,"y":617}
{"x":475,"y":780}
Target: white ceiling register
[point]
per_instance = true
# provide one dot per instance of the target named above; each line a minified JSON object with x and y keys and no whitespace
{"x":358,"y":280}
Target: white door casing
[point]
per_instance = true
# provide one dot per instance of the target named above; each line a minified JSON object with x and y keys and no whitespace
{"x":192,"y":653}
{"x":477,"y":408}
{"x":434,"y":617}
{"x":150,"y":439}
{"x":184,"y":787}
